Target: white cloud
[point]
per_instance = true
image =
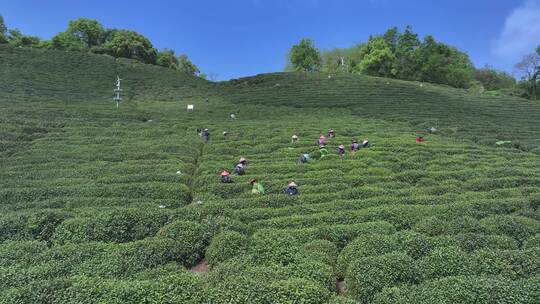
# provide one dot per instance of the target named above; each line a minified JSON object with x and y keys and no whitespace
{"x":521,"y":32}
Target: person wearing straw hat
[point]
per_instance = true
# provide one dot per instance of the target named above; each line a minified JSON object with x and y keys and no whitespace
{"x":331,"y":133}
{"x":243,"y":161}
{"x":355,"y":146}
{"x":292,"y":189}
{"x":294,"y":138}
{"x":341,"y":150}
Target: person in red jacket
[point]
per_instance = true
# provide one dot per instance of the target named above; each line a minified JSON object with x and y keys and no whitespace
{"x":419,"y":139}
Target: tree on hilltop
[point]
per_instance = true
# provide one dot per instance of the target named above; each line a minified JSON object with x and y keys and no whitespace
{"x":88,"y":31}
{"x":186,"y":66}
{"x":529,"y":68}
{"x":130,"y":44}
{"x":305,"y":57}
{"x":3,"y":30}
{"x":167,"y":58}
{"x":492,"y":79}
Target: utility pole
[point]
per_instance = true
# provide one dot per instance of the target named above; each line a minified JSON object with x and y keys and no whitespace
{"x":117,"y":98}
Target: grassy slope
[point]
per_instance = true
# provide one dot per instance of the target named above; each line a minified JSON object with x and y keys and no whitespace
{"x":453,"y":111}
{"x":85,"y":180}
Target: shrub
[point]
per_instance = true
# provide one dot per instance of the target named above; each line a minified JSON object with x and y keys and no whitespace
{"x":41,"y":225}
{"x":320,"y":250}
{"x":159,"y":272}
{"x":472,"y":241}
{"x":414,"y":244}
{"x":268,"y":247}
{"x":464,"y":290}
{"x":126,"y":260}
{"x":369,"y":275}
{"x":443,"y":262}
{"x":533,"y":241}
{"x":217,"y":224}
{"x":189,"y":238}
{"x":243,"y":281}
{"x":75,"y":230}
{"x":120,"y":225}
{"x":342,"y":300}
{"x":313,"y":270}
{"x":437,"y":225}
{"x":182,"y":287}
{"x":21,"y":252}
{"x":42,"y":291}
{"x":13,"y":227}
{"x":520,"y":228}
{"x":364,"y":246}
{"x":224,"y":246}
{"x":297,"y":291}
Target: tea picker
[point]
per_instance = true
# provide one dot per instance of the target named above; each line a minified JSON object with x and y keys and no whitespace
{"x":239,"y":169}
{"x":205,"y":134}
{"x":292,"y":189}
{"x":323,"y":151}
{"x":355,"y":146}
{"x":243,"y":161}
{"x":304,"y":158}
{"x":256,"y":187}
{"x":341,"y":150}
{"x":225,"y":177}
{"x":294,"y":138}
{"x":321,"y":140}
{"x":331,"y":133}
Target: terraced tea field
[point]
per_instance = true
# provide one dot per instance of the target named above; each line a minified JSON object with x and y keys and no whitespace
{"x":106,"y":205}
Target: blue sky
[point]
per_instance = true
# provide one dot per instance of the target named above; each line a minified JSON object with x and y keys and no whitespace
{"x":244,"y":37}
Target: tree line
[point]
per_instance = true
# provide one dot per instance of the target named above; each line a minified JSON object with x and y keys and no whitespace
{"x":403,"y":55}
{"x":89,"y":35}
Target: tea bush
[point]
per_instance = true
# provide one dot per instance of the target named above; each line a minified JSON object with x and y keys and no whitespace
{"x":320,"y":250}
{"x":189,"y":240}
{"x":443,"y":262}
{"x":224,"y":246}
{"x":369,"y":275}
{"x":464,"y":290}
{"x":114,"y":226}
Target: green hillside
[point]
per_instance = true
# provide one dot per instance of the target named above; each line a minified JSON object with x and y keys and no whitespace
{"x":107,"y":205}
{"x":454,"y":112}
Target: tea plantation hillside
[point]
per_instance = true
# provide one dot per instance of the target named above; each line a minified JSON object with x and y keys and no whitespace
{"x":45,"y":75}
{"x":454,"y":112}
{"x":107,"y":205}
